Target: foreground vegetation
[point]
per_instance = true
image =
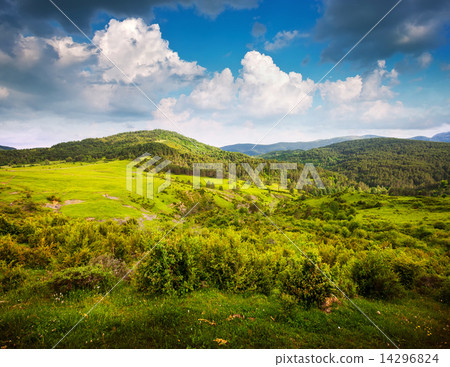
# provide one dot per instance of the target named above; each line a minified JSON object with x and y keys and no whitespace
{"x":225,"y":276}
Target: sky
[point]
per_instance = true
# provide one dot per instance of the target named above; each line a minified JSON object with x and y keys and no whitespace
{"x":223,"y":71}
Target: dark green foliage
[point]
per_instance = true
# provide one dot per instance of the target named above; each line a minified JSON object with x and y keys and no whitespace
{"x":169,"y":269}
{"x":375,"y":277}
{"x":303,"y":281}
{"x":180,"y":150}
{"x":11,"y":276}
{"x":84,"y":277}
{"x":407,"y":271}
{"x":404,"y":166}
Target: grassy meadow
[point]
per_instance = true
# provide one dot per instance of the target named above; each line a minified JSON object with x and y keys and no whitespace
{"x":224,"y":277}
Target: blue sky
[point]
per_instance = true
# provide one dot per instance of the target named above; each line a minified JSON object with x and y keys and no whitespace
{"x":222,"y":71}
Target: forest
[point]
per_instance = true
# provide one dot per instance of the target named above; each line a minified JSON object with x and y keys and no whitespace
{"x":406,"y":167}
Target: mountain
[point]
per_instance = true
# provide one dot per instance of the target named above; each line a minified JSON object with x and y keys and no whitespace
{"x":2,"y":147}
{"x":405,"y":166}
{"x":170,"y":145}
{"x":262,"y":149}
{"x":442,"y":137}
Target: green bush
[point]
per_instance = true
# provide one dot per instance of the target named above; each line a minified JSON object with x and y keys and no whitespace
{"x":168,"y":269}
{"x":10,"y":251}
{"x":407,"y":271}
{"x":11,"y":277}
{"x":303,"y":281}
{"x":288,"y":303}
{"x":375,"y":277}
{"x":83,"y":277}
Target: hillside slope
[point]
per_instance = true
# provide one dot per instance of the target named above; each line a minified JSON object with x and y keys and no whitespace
{"x":404,"y":166}
{"x":170,"y":145}
{"x":2,"y":147}
{"x":262,"y":149}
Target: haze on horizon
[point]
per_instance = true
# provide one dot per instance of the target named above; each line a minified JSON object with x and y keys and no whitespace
{"x":223,"y":72}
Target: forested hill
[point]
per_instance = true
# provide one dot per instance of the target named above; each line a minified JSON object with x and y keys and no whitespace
{"x":2,"y":147}
{"x":404,"y":166}
{"x":170,"y":145}
{"x":252,"y":150}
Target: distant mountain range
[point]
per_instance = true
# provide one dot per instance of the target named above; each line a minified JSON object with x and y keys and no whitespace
{"x":2,"y":147}
{"x":263,"y":149}
{"x":442,"y":138}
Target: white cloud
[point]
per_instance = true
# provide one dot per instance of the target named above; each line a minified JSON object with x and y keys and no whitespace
{"x":140,"y":52}
{"x":410,"y":33}
{"x":373,"y":87}
{"x":216,"y":93}
{"x":266,"y":90}
{"x":29,"y":50}
{"x":342,"y":90}
{"x":81,"y":85}
{"x":283,"y":39}
{"x":425,"y":60}
{"x":70,"y":52}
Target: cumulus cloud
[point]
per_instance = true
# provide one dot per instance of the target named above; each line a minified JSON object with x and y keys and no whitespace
{"x":267,"y":90}
{"x":412,"y":28}
{"x":216,"y":93}
{"x":70,"y":52}
{"x":342,"y":90}
{"x":77,"y":79}
{"x":283,"y":39}
{"x":140,"y":51}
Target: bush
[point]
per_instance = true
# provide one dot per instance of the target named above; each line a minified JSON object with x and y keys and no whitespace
{"x":83,"y":277}
{"x":407,"y":271}
{"x":10,"y":251}
{"x":110,"y":264}
{"x":288,"y":303}
{"x":169,"y":269}
{"x":11,"y":277}
{"x":305,"y":283}
{"x":375,"y":277}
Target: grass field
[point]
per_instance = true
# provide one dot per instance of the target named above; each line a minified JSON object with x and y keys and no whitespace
{"x":209,"y":314}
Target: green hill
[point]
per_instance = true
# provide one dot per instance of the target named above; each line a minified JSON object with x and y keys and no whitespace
{"x":404,"y":166}
{"x":252,"y":150}
{"x":170,"y":145}
{"x":2,"y":147}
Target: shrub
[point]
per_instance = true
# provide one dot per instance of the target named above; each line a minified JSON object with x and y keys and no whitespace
{"x":11,"y":277}
{"x":10,"y":251}
{"x":109,"y":263}
{"x":168,"y":270}
{"x":6,"y":227}
{"x":305,"y":283}
{"x":83,"y":277}
{"x":288,"y":303}
{"x":375,"y":277}
{"x":407,"y":271}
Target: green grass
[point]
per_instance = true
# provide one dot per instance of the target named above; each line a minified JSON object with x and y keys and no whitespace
{"x":129,"y":319}
{"x":33,"y":317}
